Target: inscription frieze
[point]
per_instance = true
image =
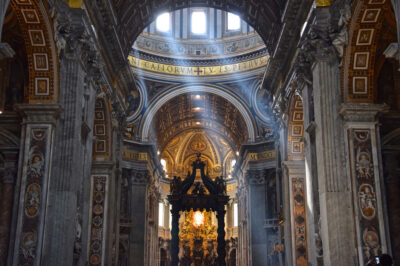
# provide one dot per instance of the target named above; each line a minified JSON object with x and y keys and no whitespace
{"x":198,"y":70}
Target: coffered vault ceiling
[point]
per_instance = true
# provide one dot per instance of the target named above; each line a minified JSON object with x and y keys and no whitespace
{"x":199,"y":111}
{"x":182,"y":150}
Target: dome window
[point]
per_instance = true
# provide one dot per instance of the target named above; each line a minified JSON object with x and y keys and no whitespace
{"x":163,"y":22}
{"x":233,"y":22}
{"x":199,"y":23}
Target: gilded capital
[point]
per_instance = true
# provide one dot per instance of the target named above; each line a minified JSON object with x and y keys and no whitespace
{"x":322,"y":3}
{"x":74,"y":3}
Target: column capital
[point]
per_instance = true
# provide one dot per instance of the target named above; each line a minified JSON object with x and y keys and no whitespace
{"x":255,"y":177}
{"x":362,"y":112}
{"x":295,"y":167}
{"x":39,"y":113}
{"x":139,"y":177}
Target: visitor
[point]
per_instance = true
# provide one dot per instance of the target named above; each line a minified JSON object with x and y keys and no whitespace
{"x":384,"y":259}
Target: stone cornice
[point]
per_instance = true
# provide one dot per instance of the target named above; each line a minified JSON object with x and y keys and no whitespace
{"x":199,"y":62}
{"x":362,"y":112}
{"x":39,"y":113}
{"x":102,"y":167}
{"x":212,"y":48}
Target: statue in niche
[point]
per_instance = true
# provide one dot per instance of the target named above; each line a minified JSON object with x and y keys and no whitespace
{"x":175,"y":185}
{"x":340,"y":39}
{"x":132,"y":102}
{"x":221,"y":187}
{"x":262,"y":99}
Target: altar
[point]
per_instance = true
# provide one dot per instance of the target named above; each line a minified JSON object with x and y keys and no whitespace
{"x":198,"y":201}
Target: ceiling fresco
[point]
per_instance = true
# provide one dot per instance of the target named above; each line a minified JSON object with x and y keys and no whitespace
{"x":215,"y":149}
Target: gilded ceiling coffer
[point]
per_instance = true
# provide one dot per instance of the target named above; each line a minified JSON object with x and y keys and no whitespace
{"x":206,"y":195}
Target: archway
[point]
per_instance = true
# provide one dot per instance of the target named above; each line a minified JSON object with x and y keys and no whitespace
{"x":156,"y":105}
{"x":132,"y":13}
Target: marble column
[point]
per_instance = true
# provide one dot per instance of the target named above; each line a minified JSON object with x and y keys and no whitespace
{"x":72,"y":156}
{"x":315,"y":251}
{"x":8,"y":179}
{"x":175,"y":237}
{"x":221,"y":248}
{"x":367,"y":183}
{"x":334,"y":193}
{"x":39,"y":122}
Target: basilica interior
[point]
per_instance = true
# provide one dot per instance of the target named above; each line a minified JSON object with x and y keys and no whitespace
{"x":199,"y":132}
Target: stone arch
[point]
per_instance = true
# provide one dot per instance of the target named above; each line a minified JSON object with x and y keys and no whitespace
{"x":102,"y":131}
{"x":158,"y":103}
{"x":360,"y":56}
{"x":42,"y":56}
{"x":295,"y":144}
{"x":141,"y":15}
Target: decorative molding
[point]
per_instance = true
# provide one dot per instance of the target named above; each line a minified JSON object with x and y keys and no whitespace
{"x":366,"y":189}
{"x":33,"y":196}
{"x":299,"y":221}
{"x":194,"y":48}
{"x":43,"y":71}
{"x":261,"y":156}
{"x":102,"y":131}
{"x":98,"y":219}
{"x":364,"y":31}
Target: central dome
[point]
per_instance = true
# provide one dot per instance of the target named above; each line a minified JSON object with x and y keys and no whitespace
{"x":198,"y":33}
